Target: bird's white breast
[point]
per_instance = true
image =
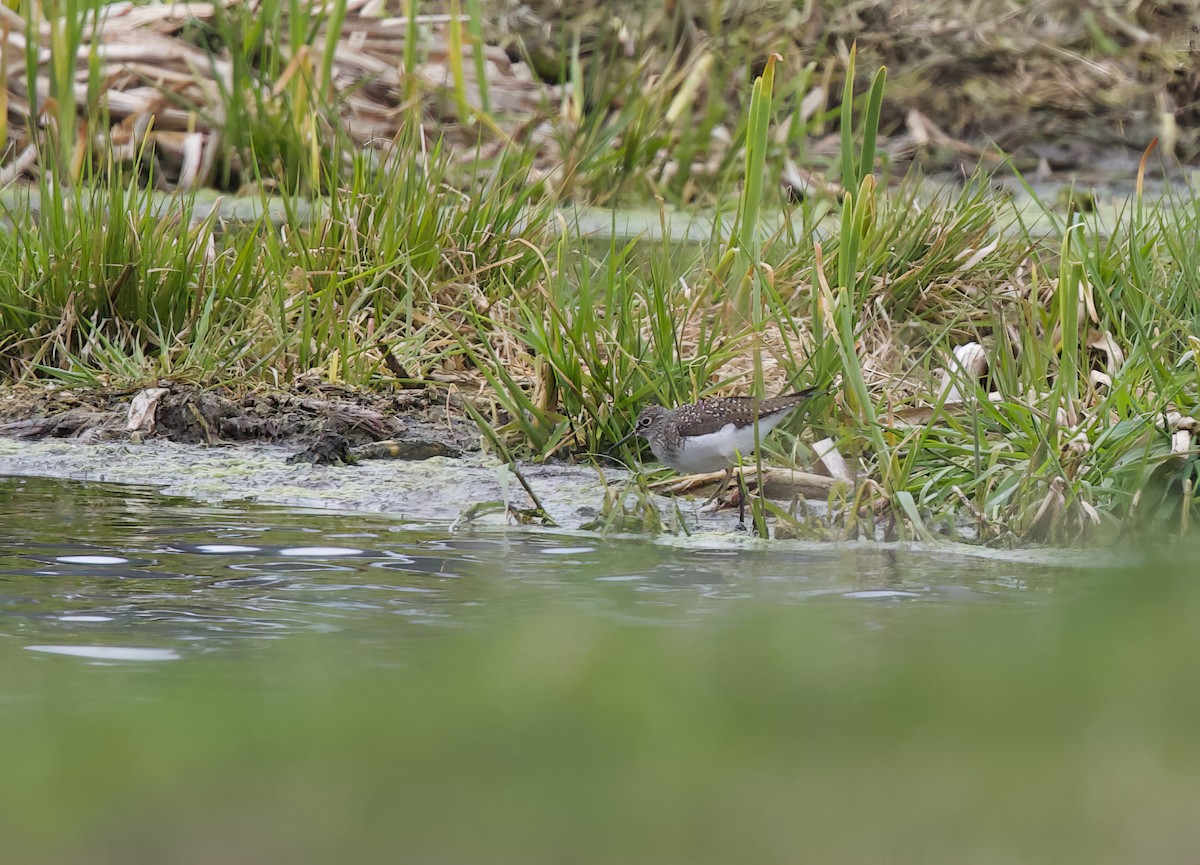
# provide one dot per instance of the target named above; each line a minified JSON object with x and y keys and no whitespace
{"x":713,"y":451}
{"x":718,"y":450}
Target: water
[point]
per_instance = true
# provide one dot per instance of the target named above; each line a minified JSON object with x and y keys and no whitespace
{"x":191,"y":683}
{"x":114,"y":567}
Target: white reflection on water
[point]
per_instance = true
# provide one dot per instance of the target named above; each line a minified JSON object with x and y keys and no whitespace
{"x":321,"y":551}
{"x":110,"y":653}
{"x":91,"y":560}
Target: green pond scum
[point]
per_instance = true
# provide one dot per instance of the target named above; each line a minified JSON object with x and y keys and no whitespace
{"x":1056,"y":729}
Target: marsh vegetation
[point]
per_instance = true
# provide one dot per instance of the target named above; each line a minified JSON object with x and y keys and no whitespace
{"x":1003,"y":377}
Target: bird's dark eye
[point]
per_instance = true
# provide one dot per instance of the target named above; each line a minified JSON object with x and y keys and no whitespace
{"x":644,"y":422}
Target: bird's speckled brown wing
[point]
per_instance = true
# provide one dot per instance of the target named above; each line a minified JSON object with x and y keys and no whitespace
{"x":710,"y":415}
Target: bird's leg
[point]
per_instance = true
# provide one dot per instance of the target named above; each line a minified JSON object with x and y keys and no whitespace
{"x":743,"y":494}
{"x":720,"y":491}
{"x":713,"y":503}
{"x":741,"y":523}
{"x":742,"y":488}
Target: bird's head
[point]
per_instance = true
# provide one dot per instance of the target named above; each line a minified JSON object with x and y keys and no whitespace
{"x":649,"y":420}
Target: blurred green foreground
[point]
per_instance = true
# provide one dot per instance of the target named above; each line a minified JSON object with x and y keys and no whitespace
{"x":1057,"y":731}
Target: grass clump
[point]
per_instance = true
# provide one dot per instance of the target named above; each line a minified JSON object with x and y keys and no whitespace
{"x":112,"y":283}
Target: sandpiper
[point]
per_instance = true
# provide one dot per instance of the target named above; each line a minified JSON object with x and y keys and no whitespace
{"x":710,"y":434}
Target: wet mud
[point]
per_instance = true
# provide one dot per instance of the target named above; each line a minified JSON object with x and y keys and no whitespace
{"x":313,"y":415}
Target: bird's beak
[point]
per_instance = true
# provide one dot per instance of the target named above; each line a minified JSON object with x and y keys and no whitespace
{"x":631,"y":434}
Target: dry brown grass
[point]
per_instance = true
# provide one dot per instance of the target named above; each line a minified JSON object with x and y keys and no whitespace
{"x":1059,"y":83}
{"x":1086,"y":75}
{"x":165,"y":95}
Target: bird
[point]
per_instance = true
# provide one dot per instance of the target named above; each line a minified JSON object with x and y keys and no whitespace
{"x":711,"y":434}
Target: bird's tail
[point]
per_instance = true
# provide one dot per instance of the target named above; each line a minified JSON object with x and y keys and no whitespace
{"x":816,"y":390}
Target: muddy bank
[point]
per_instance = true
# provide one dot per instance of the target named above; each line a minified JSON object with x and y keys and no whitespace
{"x":474,"y":490}
{"x":413,"y":453}
{"x":436,"y":489}
{"x":189,"y":414}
